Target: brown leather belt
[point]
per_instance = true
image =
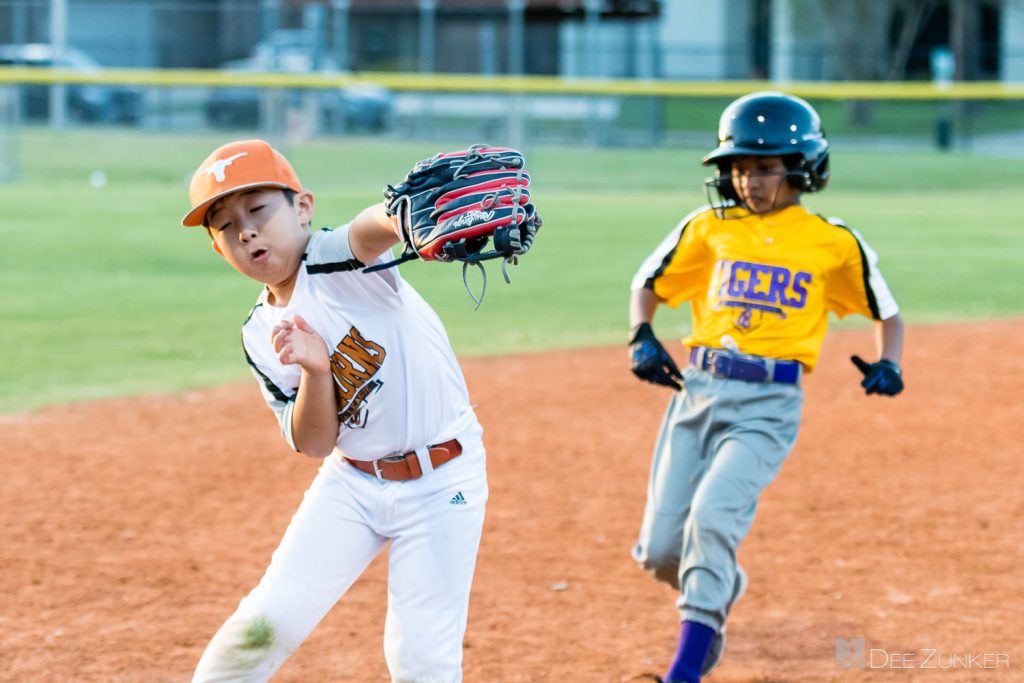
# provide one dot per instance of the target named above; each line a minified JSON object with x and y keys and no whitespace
{"x":406,"y":466}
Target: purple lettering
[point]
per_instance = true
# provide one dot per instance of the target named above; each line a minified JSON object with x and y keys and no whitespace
{"x":799,"y":281}
{"x":756,"y":271}
{"x":736,"y":283}
{"x":777,"y":290}
{"x":724,"y":270}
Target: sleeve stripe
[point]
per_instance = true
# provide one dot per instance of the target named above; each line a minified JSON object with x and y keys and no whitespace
{"x":274,"y":390}
{"x":328,"y":251}
{"x":866,"y":269}
{"x":654,"y":265}
{"x":649,"y":282}
{"x":880,"y":300}
{"x":336,"y":267}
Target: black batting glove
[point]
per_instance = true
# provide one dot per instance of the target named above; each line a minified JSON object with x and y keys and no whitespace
{"x":884,"y":377}
{"x":651,"y":361}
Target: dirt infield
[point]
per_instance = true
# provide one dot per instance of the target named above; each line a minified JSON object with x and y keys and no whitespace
{"x":131,"y":528}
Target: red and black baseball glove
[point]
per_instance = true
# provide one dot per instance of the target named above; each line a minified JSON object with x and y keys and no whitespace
{"x":470,"y":206}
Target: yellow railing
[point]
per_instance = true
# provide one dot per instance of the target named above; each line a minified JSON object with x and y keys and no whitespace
{"x":539,"y":85}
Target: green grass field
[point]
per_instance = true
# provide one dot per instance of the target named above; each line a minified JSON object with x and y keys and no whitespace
{"x":909,"y":119}
{"x":106,"y":294}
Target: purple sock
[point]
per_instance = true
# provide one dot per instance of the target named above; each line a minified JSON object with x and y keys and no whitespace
{"x":694,"y":642}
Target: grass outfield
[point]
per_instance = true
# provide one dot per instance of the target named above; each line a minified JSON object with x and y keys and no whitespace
{"x":907,"y":119}
{"x":106,"y":295}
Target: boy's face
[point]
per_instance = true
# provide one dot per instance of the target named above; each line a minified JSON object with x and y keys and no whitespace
{"x":260,"y":233}
{"x":761,"y":183}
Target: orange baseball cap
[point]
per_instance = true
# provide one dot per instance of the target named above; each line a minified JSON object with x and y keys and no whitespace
{"x":236,"y":166}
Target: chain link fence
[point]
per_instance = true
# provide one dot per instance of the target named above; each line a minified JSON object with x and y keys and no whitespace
{"x":9,"y":125}
{"x":246,"y":37}
{"x":607,"y":119}
{"x":601,"y":119}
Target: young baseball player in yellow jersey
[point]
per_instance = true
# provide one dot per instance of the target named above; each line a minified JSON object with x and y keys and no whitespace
{"x":761,"y":274}
{"x":359,"y":371}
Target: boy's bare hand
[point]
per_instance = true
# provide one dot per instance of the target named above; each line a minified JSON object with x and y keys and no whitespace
{"x":296,"y":343}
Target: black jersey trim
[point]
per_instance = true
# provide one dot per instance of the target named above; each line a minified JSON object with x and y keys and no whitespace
{"x":335,"y":267}
{"x":271,"y":387}
{"x":649,"y":282}
{"x":332,"y":266}
{"x":251,"y":313}
{"x":865,"y":269}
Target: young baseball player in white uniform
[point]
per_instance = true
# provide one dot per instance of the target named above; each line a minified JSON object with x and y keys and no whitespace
{"x":359,"y":371}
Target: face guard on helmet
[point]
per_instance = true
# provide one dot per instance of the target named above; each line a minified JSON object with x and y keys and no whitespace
{"x":768,"y":124}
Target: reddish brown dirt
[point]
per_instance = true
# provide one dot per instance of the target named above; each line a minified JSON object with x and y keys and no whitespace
{"x":131,"y":528}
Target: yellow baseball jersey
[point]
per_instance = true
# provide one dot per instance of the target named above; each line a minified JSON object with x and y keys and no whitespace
{"x":764,"y":284}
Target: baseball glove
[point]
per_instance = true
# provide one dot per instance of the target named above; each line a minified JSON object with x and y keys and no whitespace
{"x":470,"y":206}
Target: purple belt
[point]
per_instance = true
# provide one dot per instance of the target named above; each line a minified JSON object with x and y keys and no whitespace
{"x":743,"y":366}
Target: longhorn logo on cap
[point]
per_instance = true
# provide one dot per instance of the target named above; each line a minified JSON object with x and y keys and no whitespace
{"x":217,"y":168}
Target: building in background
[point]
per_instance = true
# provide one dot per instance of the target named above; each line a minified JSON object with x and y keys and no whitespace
{"x":469,"y":36}
{"x":675,"y":39}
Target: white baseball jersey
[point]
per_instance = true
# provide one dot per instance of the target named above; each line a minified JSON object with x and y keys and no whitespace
{"x":399,"y":389}
{"x":390,"y":354}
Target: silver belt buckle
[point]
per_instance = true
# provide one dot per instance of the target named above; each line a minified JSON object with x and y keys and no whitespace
{"x":394,"y":457}
{"x":707,"y":360}
{"x":727,"y":357}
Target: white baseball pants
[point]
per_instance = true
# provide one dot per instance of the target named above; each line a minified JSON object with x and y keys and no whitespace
{"x":346,"y":518}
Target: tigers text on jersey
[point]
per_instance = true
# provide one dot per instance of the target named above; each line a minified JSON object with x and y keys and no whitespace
{"x":766,"y":282}
{"x":397,"y":382}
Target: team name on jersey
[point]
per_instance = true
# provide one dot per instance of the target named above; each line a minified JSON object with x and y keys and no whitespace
{"x":354,"y":363}
{"x":759,"y":286}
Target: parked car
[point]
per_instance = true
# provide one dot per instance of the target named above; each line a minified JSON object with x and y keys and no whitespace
{"x":356,"y":107}
{"x":84,"y":101}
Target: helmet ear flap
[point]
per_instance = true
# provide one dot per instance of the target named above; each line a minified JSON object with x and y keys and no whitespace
{"x":807,"y":175}
{"x":820,"y":173}
{"x":799,"y":179}
{"x":723,"y":182}
{"x":817,"y":173}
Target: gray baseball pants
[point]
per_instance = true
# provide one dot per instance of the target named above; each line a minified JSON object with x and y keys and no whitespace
{"x":721,"y":443}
